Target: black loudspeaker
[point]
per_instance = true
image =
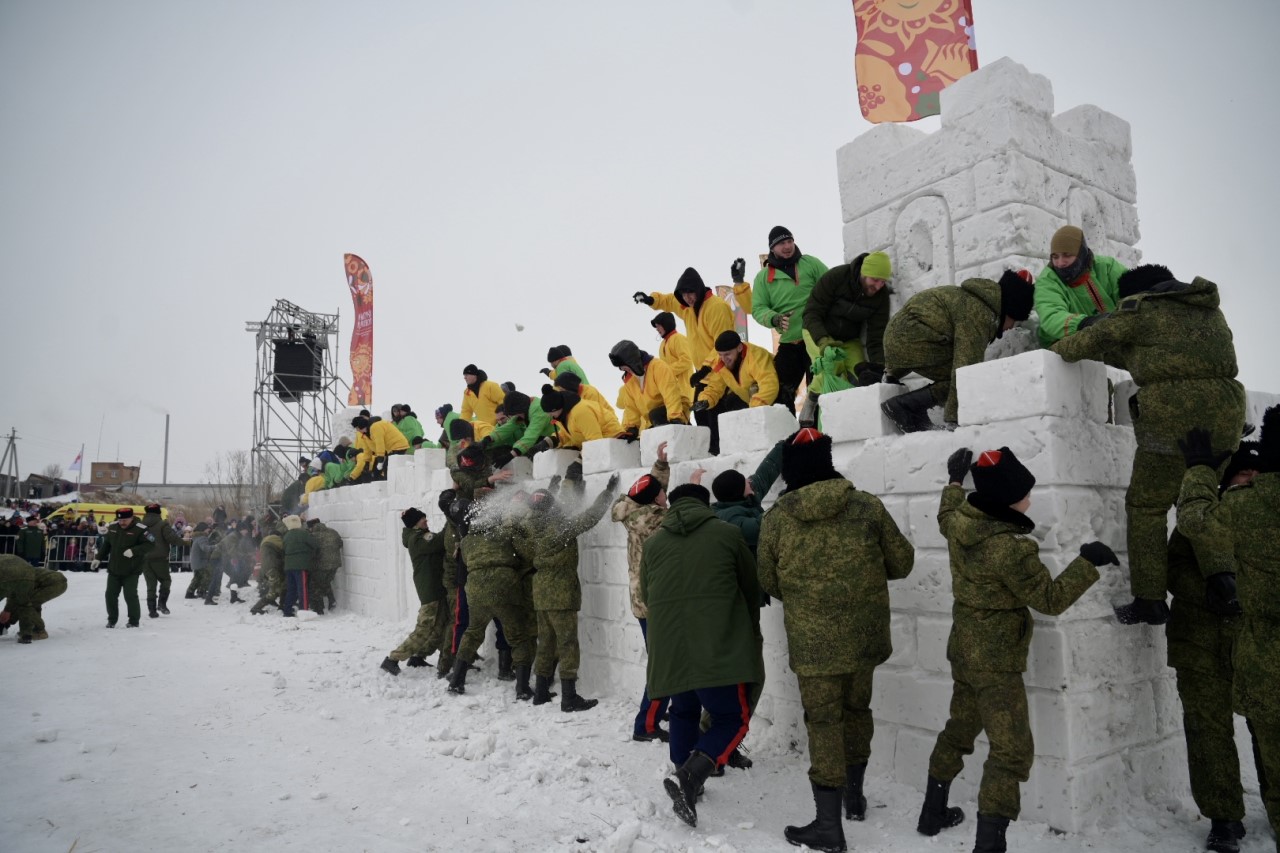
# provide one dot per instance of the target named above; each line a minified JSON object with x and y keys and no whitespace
{"x":297,"y":368}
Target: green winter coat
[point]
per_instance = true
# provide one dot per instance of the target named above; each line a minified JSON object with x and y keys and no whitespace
{"x":449,"y":418}
{"x":747,"y":513}
{"x":328,"y":547}
{"x":135,"y":539}
{"x":838,"y":310}
{"x":568,"y":365}
{"x":996,"y":575}
{"x":299,"y":551}
{"x":1250,"y":515}
{"x":774,"y":292}
{"x":426,"y":552}
{"x":338,"y":472}
{"x":31,"y":544}
{"x":410,"y":427}
{"x":555,"y":554}
{"x":271,"y":549}
{"x":1061,"y":307}
{"x":698,"y":581}
{"x":492,"y":563}
{"x":827,"y":551}
{"x":521,"y":435}
{"x":165,"y":535}
{"x":1179,"y":349}
{"x":942,"y":329}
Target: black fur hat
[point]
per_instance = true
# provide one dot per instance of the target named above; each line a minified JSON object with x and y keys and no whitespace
{"x":806,"y":459}
{"x":1141,"y":279}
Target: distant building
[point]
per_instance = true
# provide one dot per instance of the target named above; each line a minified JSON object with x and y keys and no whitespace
{"x":37,"y":486}
{"x":107,"y":475}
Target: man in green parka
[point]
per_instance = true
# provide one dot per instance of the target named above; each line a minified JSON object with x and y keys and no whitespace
{"x":527,"y":430}
{"x":1076,"y":285}
{"x":328,"y":562}
{"x":1246,"y":518}
{"x":125,"y":548}
{"x":779,"y":295}
{"x":698,"y":581}
{"x":431,"y":631}
{"x":299,"y":556}
{"x":1173,"y":339}
{"x":942,"y":329}
{"x":406,"y":421}
{"x":996,"y":575}
{"x":31,"y":544}
{"x":156,"y":567}
{"x":827,"y":552}
{"x":25,"y":589}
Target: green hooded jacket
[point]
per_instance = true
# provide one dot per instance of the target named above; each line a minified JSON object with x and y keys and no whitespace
{"x":774,"y":292}
{"x":996,"y":575}
{"x":698,"y":581}
{"x":426,"y":552}
{"x":827,"y":551}
{"x":410,"y":427}
{"x":1061,"y":307}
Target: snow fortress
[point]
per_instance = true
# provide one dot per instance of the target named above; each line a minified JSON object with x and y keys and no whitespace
{"x":984,"y":193}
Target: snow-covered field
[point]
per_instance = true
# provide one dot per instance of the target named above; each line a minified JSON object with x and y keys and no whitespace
{"x":211,"y":730}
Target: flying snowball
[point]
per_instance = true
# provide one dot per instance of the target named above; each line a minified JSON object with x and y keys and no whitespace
{"x":519,"y":328}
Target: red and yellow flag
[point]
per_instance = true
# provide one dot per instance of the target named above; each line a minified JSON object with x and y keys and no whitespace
{"x":908,"y":52}
{"x":361,"y":284}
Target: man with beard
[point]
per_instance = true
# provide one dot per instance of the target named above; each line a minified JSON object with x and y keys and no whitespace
{"x":779,"y":297}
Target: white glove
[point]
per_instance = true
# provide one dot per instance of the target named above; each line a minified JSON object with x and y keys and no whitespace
{"x":128,"y":552}
{"x":95,"y":564}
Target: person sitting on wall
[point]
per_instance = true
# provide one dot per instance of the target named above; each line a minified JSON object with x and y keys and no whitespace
{"x":1076,"y":285}
{"x":650,"y":395}
{"x":742,"y":376}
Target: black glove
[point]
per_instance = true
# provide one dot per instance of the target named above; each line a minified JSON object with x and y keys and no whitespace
{"x":486,"y":441}
{"x":545,"y":443}
{"x":701,"y":406}
{"x":1099,"y":554}
{"x":546,"y":371}
{"x":765,"y":600}
{"x":614,"y":479}
{"x":869,"y":373}
{"x":502,"y":457}
{"x":1197,"y":449}
{"x":1089,"y":321}
{"x":776,"y":321}
{"x":1220,"y":594}
{"x":958,"y":464}
{"x":641,"y":297}
{"x":698,"y":376}
{"x":738,"y":271}
{"x":573,"y":474}
{"x":629,"y":435}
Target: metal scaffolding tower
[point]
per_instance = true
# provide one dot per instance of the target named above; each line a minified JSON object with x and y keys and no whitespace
{"x":295,"y":391}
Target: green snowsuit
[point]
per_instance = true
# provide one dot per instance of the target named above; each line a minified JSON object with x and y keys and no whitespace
{"x":25,"y":588}
{"x":494,"y":590}
{"x":1061,"y":307}
{"x":123,"y":569}
{"x":827,"y":552}
{"x":996,"y":575}
{"x":410,"y":427}
{"x":431,"y":631}
{"x":1178,"y":348}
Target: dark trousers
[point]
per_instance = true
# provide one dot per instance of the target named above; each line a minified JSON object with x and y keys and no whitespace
{"x":214,"y":585}
{"x":461,"y":618}
{"x":730,"y":710}
{"x":128,"y":584}
{"x":710,"y":419}
{"x":651,"y":710}
{"x":294,"y":582}
{"x":792,"y":363}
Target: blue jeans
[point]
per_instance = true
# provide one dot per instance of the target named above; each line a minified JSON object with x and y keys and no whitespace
{"x":293,"y":582}
{"x":651,"y":710}
{"x":730,"y":710}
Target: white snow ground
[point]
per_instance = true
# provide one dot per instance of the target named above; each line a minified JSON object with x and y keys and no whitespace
{"x":212,"y":730}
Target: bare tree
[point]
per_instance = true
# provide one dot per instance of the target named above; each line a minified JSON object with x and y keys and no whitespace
{"x":53,"y":471}
{"x":230,"y":474}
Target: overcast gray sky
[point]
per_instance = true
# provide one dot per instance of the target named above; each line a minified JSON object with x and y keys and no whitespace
{"x":171,"y":168}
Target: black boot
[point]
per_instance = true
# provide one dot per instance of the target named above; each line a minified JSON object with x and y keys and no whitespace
{"x":210,"y":600}
{"x":1224,"y":836}
{"x":191,"y":593}
{"x":855,"y":804}
{"x":686,"y":787}
{"x":936,"y":815}
{"x":417,"y":660}
{"x":523,"y":691}
{"x":388,"y":665}
{"x":990,"y":837}
{"x":1149,"y":611}
{"x":542,"y":693}
{"x":826,"y":832}
{"x":570,"y":700}
{"x":910,"y":411}
{"x":151,"y":606}
{"x":809,"y":411}
{"x":458,"y":677}
{"x":163,"y":606}
{"x":505,"y":672}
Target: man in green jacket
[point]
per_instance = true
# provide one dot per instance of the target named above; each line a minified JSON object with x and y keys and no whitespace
{"x":849,"y":301}
{"x":996,"y":575}
{"x":31,"y":544}
{"x":25,"y":589}
{"x":1075,"y":286}
{"x":156,"y":567}
{"x":328,"y":562}
{"x":299,"y":556}
{"x":406,"y":421}
{"x":698,"y":580}
{"x":827,"y":552}
{"x":942,"y":329}
{"x":125,"y":548}
{"x":1174,"y":340}
{"x":1246,"y":519}
{"x":779,"y":295}
{"x":562,"y":361}
{"x":431,"y":631}
{"x":528,"y":430}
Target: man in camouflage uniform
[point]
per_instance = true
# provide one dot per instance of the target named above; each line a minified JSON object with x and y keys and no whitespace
{"x":156,"y":567}
{"x":996,"y":575}
{"x":942,"y":329}
{"x":827,"y":552}
{"x":125,"y":548}
{"x":201,"y":555}
{"x":431,"y":631}
{"x":1246,"y":520}
{"x":1174,"y":340}
{"x":225,"y":550}
{"x":453,"y":579}
{"x":25,"y":589}
{"x":328,"y":561}
{"x":557,"y":593}
{"x":640,"y":511}
{"x":271,"y":573}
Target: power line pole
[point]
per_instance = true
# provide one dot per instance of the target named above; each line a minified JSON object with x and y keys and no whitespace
{"x":9,"y":464}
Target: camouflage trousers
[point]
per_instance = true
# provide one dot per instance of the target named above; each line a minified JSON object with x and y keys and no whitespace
{"x":514,"y":623}
{"x":430,"y":634}
{"x":270,"y":588}
{"x":1266,"y":744}
{"x":48,"y":586}
{"x":1212,"y":760}
{"x":157,"y":574}
{"x":320,"y":587}
{"x":557,"y":641}
{"x":994,"y":702}
{"x":1256,"y":697}
{"x":837,"y":718}
{"x":199,"y":583}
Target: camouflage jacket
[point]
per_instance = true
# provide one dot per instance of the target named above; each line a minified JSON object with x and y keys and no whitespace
{"x":136,"y":539}
{"x":641,"y":522}
{"x":996,"y":575}
{"x":17,"y":582}
{"x":329,"y":544}
{"x":827,"y":551}
{"x":426,"y":552}
{"x":165,"y":536}
{"x":492,"y":563}
{"x":1199,"y":640}
{"x":1252,"y":515}
{"x":556,"y":585}
{"x":271,"y":550}
{"x":1178,"y":348}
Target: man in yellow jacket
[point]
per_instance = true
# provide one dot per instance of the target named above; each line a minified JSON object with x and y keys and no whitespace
{"x":482,"y":398}
{"x":581,"y":420}
{"x":705,"y":315}
{"x":609,"y":423}
{"x":675,"y":351}
{"x":650,"y":394}
{"x":742,"y":376}
{"x":375,"y":441}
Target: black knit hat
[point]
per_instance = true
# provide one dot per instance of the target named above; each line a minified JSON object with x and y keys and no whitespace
{"x":1016,"y":294}
{"x":515,"y":404}
{"x":729,"y":486}
{"x":460,"y":429}
{"x":558,"y":352}
{"x":690,"y":282}
{"x":472,"y":369}
{"x":568,"y":381}
{"x":690,"y":490}
{"x":727,"y":341}
{"x":1141,"y":279}
{"x":665,"y":321}
{"x":446,"y":500}
{"x":412,"y":516}
{"x":360,"y":422}
{"x":806,"y":459}
{"x":777,"y":234}
{"x":552,"y":401}
{"x":1248,"y":456}
{"x":645,"y":490}
{"x":1000,"y":478}
{"x":444,"y":410}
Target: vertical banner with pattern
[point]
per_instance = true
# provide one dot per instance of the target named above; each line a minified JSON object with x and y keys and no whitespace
{"x":908,"y":52}
{"x":361,"y":284}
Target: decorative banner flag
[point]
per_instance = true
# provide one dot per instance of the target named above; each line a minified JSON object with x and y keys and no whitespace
{"x":361,"y":284}
{"x":908,"y":53}
{"x":75,"y":466}
{"x":725,"y":292}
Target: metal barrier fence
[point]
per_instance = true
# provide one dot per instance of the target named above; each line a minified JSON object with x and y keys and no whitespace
{"x":74,"y":553}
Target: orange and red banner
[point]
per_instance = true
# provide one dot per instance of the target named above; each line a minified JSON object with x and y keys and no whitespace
{"x":361,"y":284}
{"x":908,"y":52}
